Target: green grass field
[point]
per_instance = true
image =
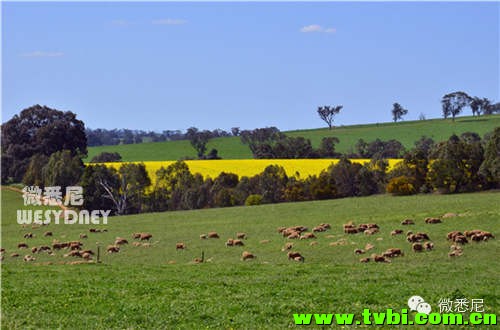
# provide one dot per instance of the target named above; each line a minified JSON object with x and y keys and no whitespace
{"x":232,"y":148}
{"x":159,"y":287}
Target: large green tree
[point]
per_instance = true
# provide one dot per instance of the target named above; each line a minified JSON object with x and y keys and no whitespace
{"x":453,"y":103}
{"x":39,"y":130}
{"x":327,"y":113}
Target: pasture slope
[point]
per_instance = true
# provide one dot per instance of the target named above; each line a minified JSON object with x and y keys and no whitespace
{"x":159,"y":287}
{"x":231,"y":147}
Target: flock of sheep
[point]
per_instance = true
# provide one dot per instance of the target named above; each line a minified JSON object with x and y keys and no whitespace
{"x":419,"y":241}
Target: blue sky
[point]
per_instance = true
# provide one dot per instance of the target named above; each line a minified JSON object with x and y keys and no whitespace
{"x":159,"y":66}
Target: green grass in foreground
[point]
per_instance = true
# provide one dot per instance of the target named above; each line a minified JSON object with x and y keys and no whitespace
{"x":138,"y":288}
{"x":231,"y":147}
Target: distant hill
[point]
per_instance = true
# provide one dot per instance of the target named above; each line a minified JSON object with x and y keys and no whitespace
{"x":407,"y":132}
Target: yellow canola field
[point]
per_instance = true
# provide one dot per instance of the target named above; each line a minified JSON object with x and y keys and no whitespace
{"x":301,"y":168}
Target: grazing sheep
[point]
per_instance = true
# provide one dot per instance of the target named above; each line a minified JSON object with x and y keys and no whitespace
{"x":136,"y":235}
{"x":241,"y":235}
{"x":213,"y":234}
{"x":281,"y":229}
{"x":28,"y":258}
{"x":203,"y":236}
{"x":120,"y":241}
{"x":407,"y":222}
{"x":28,"y":235}
{"x":371,"y":231}
{"x":288,"y":246}
{"x":422,"y":236}
{"x":145,"y":236}
{"x":313,"y":243}
{"x":238,"y":242}
{"x":429,"y":246}
{"x":230,"y":242}
{"x":93,"y":230}
{"x":14,"y":255}
{"x":455,"y":253}
{"x":451,"y":235}
{"x":22,"y":246}
{"x":82,"y":236}
{"x":87,"y":251}
{"x":368,"y":247}
{"x":136,"y":243}
{"x":378,"y":258}
{"x":180,"y":246}
{"x":294,"y":235}
{"x":73,"y":253}
{"x":295,"y":256}
{"x":359,"y":251}
{"x":86,"y":256}
{"x":364,"y":260}
{"x":469,"y":233}
{"x":75,"y":245}
{"x":47,"y":234}
{"x":247,"y":256}
{"x":308,"y":236}
{"x":417,"y":247}
{"x":146,"y":245}
{"x":432,"y":220}
{"x":113,"y":249}
{"x":325,"y":225}
{"x":449,"y":215}
{"x":396,"y":232}
{"x":34,"y":250}
{"x":350,"y":230}
{"x":393,"y":252}
{"x":461,"y":239}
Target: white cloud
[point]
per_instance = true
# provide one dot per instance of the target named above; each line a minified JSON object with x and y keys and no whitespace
{"x":39,"y":53}
{"x":317,"y":28}
{"x":169,"y":21}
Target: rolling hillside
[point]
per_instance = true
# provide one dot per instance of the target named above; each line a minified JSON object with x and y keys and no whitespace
{"x":232,"y":148}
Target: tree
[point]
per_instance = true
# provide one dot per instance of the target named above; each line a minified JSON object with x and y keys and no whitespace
{"x":398,"y":112}
{"x":96,"y":196}
{"x":105,"y":157}
{"x":199,"y":140}
{"x":490,"y":168}
{"x":327,"y":113}
{"x":453,"y":103}
{"x":39,"y":130}
{"x":62,"y":169}
{"x":327,"y":147}
{"x":261,"y":140}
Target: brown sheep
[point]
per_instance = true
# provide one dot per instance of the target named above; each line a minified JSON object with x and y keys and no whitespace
{"x":238,"y":242}
{"x":432,"y":220}
{"x":14,"y":255}
{"x":180,"y":246}
{"x":308,"y":236}
{"x":294,"y":255}
{"x":451,"y":235}
{"x":359,"y":251}
{"x":34,"y":250}
{"x":469,"y":233}
{"x":288,"y":246}
{"x":44,"y":248}
{"x":22,"y":246}
{"x":28,"y":258}
{"x":203,"y":236}
{"x":429,"y":246}
{"x":417,"y":247}
{"x":299,"y":259}
{"x":369,"y":246}
{"x":461,"y":239}
{"x":93,"y":230}
{"x":230,"y":242}
{"x":396,"y":232}
{"x":73,"y":253}
{"x":393,"y":252}
{"x":213,"y":234}
{"x":281,"y":229}
{"x":247,"y":256}
{"x":28,"y":235}
{"x":371,"y":231}
{"x":120,"y":241}
{"x":241,"y":235}
{"x":86,"y":256}
{"x":47,"y":234}
{"x":82,"y":236}
{"x":198,"y":260}
{"x":378,"y":258}
{"x":364,"y":260}
{"x":350,"y":230}
{"x":294,"y":235}
{"x":57,"y":246}
{"x":87,"y":251}
{"x":136,"y":235}
{"x":455,"y":253}
{"x":113,"y":249}
{"x":75,"y":245}
{"x":325,"y":225}
{"x":136,"y":243}
{"x":422,"y":236}
{"x":145,"y":236}
{"x":407,"y":222}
